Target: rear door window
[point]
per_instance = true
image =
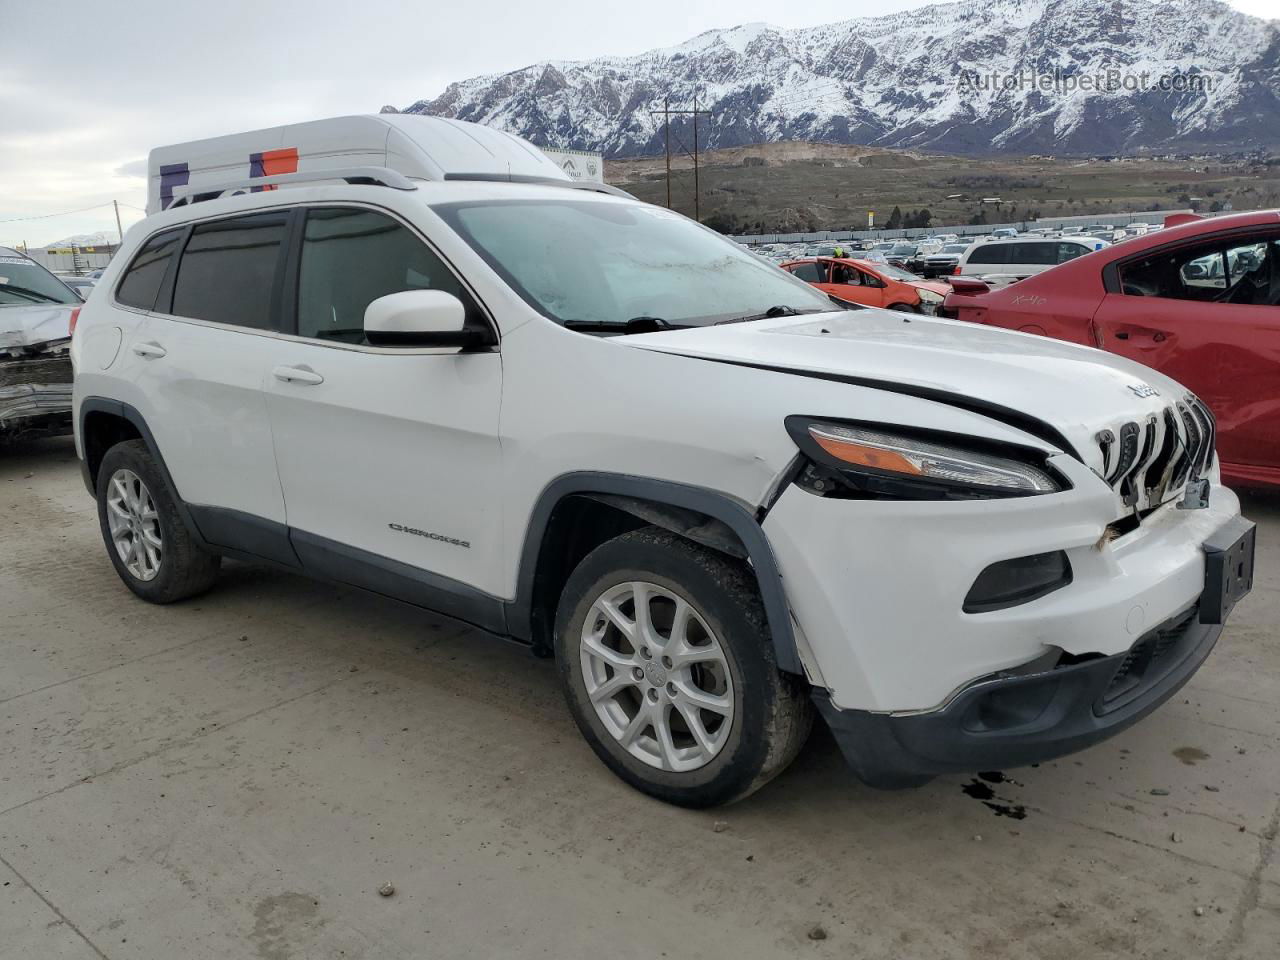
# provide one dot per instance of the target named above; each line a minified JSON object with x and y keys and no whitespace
{"x":141,"y":282}
{"x":808,"y":272}
{"x":228,"y":270}
{"x":990,"y":253}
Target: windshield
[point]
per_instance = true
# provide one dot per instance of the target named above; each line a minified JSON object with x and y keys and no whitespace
{"x":603,"y":263}
{"x":24,"y":282}
{"x":955,"y":248}
{"x":893,"y":273}
{"x":903,"y":249}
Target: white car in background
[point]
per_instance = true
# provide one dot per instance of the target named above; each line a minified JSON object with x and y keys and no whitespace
{"x":722,"y":501}
{"x":1000,"y":262}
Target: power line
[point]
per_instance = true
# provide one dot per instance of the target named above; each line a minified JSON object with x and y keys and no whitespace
{"x":47,"y":216}
{"x":666,"y":112}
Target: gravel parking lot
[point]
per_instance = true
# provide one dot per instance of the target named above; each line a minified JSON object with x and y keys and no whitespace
{"x":237,"y":775}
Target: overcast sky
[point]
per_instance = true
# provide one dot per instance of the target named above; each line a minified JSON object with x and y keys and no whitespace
{"x":87,"y":88}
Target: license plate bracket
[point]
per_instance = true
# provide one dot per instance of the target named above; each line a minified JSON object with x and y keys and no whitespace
{"x":1228,"y":569}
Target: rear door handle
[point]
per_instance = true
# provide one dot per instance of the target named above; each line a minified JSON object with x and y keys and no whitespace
{"x":301,"y":375}
{"x":150,"y":350}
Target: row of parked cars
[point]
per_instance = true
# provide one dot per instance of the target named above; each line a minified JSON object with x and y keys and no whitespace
{"x":1001,"y":257}
{"x":1198,"y":300}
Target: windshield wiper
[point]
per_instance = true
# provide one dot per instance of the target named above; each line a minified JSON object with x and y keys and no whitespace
{"x":642,"y":324}
{"x":780,"y":310}
{"x":28,"y":292}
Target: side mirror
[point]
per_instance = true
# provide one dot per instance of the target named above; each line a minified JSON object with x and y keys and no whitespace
{"x":420,"y":318}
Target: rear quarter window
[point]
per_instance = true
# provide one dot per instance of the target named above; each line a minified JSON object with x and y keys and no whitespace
{"x":141,"y":283}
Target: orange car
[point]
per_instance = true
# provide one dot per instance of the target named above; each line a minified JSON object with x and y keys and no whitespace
{"x":870,"y":284}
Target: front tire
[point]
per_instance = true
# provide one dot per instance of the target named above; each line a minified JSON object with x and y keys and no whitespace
{"x":668,"y":669}
{"x":146,"y":539}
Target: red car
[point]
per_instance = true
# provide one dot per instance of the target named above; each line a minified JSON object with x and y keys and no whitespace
{"x":870,"y":284}
{"x":1200,"y":302}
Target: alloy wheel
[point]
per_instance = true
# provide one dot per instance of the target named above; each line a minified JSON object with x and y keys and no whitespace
{"x":657,"y":676}
{"x":134,"y":524}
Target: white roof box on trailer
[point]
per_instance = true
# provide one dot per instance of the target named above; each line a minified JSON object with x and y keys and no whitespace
{"x":392,"y":149}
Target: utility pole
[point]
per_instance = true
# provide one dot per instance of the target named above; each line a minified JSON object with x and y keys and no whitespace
{"x":119,"y":231}
{"x":666,"y":112}
{"x":666,"y":127}
{"x":696,"y":213}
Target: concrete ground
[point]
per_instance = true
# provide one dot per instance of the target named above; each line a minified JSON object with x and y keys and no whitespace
{"x":235,"y":776}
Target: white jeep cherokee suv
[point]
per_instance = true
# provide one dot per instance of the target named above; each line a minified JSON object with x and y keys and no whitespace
{"x":444,"y":374}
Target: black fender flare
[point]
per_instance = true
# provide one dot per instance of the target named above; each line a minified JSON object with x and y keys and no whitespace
{"x":124,"y":411}
{"x":733,"y":513}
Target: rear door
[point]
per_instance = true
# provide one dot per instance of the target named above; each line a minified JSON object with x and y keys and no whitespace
{"x":200,"y":360}
{"x":389,"y":457}
{"x":1208,"y":315}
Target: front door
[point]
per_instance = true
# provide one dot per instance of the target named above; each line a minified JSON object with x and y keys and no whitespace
{"x":1208,"y":315}
{"x":388,"y":457}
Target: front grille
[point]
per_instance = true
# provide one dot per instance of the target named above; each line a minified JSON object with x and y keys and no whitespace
{"x":1146,"y":461}
{"x":35,"y":372}
{"x":1148,"y":661}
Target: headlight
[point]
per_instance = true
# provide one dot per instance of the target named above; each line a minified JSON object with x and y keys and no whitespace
{"x":879,"y":462}
{"x":929,"y":301}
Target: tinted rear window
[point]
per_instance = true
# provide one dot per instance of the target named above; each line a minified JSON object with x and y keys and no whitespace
{"x":141,"y":282}
{"x":1036,"y":252}
{"x":228,"y":269}
{"x":987,"y":253}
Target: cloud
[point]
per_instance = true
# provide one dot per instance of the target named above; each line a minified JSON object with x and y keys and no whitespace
{"x":134,"y":168}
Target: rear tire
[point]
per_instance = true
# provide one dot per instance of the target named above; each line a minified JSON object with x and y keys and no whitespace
{"x":903,"y":308}
{"x":695,"y":712}
{"x":146,"y":539}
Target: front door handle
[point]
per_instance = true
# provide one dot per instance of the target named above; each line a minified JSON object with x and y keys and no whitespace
{"x":301,"y":375}
{"x":149,"y":350}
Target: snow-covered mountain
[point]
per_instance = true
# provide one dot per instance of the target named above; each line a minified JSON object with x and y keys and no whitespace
{"x":932,"y":78}
{"x":102,"y":239}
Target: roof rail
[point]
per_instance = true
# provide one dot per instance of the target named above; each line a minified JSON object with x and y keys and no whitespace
{"x":376,"y":176}
{"x":590,"y":185}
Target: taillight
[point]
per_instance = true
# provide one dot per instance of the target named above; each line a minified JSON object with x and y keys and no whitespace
{"x":71,"y":324}
{"x":956,"y":271}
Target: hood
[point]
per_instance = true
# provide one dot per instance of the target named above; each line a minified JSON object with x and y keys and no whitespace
{"x":1062,"y":393}
{"x":22,"y":327}
{"x":935,"y":286}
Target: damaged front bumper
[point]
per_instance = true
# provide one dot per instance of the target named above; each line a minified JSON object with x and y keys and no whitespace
{"x":1013,"y":721}
{"x":35,"y":390}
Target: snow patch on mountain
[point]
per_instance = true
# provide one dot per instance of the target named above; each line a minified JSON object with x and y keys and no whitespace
{"x":919,"y":78}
